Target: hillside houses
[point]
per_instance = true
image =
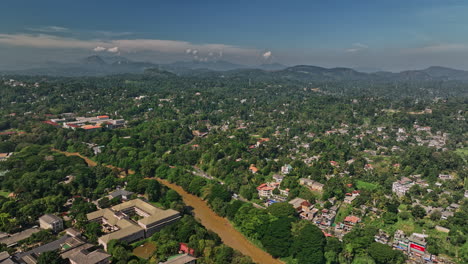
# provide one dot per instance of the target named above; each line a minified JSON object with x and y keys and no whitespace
{"x":311,"y":184}
{"x":402,"y":186}
{"x":86,"y":123}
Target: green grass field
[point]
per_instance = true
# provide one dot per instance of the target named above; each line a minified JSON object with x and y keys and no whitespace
{"x":4,"y":194}
{"x":362,"y":185}
{"x":463,"y":152}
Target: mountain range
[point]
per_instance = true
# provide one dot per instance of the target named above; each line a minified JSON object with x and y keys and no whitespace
{"x":98,"y":66}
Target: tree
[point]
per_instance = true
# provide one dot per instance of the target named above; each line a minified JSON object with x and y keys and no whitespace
{"x":277,"y":238}
{"x":436,"y":215}
{"x":418,"y":212}
{"x":92,"y":231}
{"x":153,"y":190}
{"x":390,"y":218}
{"x":50,"y":257}
{"x":119,"y":253}
{"x":223,"y":254}
{"x":232,"y":209}
{"x":281,"y":210}
{"x":383,"y":254}
{"x":308,"y":246}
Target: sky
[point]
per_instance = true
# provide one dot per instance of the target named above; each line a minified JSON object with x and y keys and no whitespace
{"x":363,"y":34}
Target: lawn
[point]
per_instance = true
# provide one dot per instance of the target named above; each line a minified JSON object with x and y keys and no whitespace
{"x":362,"y":185}
{"x":146,"y":250}
{"x":344,"y":211}
{"x":4,"y":194}
{"x":463,"y":152}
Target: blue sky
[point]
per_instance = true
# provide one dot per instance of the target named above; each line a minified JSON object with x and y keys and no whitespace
{"x":378,"y":34}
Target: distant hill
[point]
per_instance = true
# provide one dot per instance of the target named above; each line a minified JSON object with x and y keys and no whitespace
{"x":219,"y":65}
{"x":272,"y":67}
{"x":105,"y":65}
{"x":94,"y":60}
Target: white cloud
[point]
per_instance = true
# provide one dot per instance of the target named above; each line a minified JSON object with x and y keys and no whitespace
{"x":357,"y":47}
{"x":167,"y":47}
{"x":99,"y":49}
{"x":267,"y":55}
{"x":48,"y":29}
{"x":113,"y":50}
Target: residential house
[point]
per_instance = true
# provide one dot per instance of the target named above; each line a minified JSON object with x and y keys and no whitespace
{"x":417,"y":243}
{"x":120,"y":194}
{"x":181,"y":259}
{"x":350,"y":221}
{"x":5,"y":156}
{"x":350,"y":197}
{"x":278,"y":178}
{"x":253,"y":169}
{"x":445,"y":177}
{"x":297,"y":203}
{"x":313,"y":185}
{"x":286,"y":169}
{"x":265,"y":190}
{"x":49,"y":221}
{"x":382,"y":237}
{"x":93,"y":257}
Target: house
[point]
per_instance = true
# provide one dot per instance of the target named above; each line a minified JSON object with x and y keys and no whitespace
{"x":297,"y":203}
{"x":183,"y":247}
{"x":350,"y":197}
{"x":445,"y":177}
{"x":253,"y":169}
{"x":402,"y":186}
{"x":5,"y":258}
{"x":313,"y":185}
{"x":13,"y":239}
{"x":350,"y":221}
{"x":400,"y":241}
{"x":118,"y":222}
{"x":442,"y":229}
{"x":286,"y":169}
{"x":417,"y":243}
{"x":265,"y":190}
{"x":326,"y":219}
{"x":5,"y":156}
{"x":382,"y":237}
{"x":260,"y":141}
{"x":93,"y":257}
{"x":278,"y":178}
{"x":120,"y":194}
{"x":181,"y":259}
{"x":66,"y":245}
{"x":284,"y":192}
{"x":49,"y":221}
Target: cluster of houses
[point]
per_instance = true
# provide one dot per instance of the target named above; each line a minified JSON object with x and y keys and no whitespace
{"x":15,"y":83}
{"x":325,"y":218}
{"x":129,"y":221}
{"x":69,"y":121}
{"x":71,"y":245}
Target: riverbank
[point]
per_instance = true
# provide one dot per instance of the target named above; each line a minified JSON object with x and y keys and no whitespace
{"x":228,"y":234}
{"x":209,"y":219}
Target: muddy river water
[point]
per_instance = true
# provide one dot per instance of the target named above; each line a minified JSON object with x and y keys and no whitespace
{"x":210,"y":220}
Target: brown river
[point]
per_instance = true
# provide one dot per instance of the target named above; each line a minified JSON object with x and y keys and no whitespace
{"x":210,"y":220}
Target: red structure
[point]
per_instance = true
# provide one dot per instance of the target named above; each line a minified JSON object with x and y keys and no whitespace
{"x":184,"y":248}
